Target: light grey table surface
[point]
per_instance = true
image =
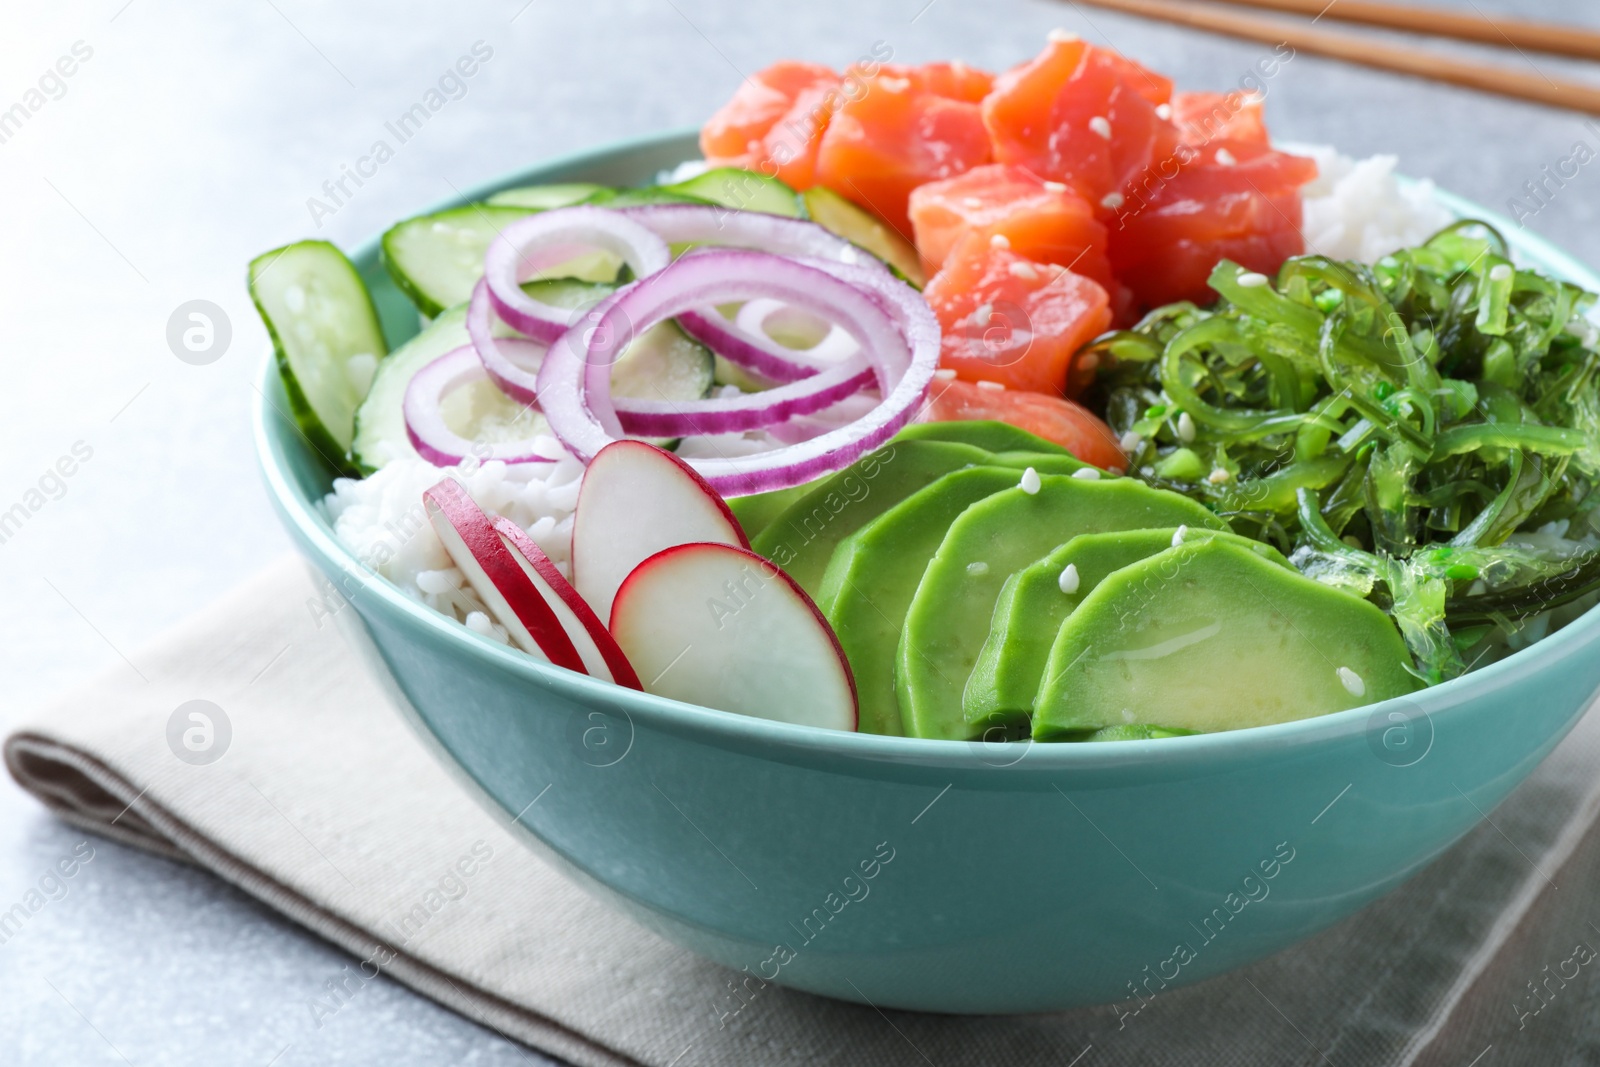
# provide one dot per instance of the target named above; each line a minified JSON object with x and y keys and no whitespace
{"x":191,"y":139}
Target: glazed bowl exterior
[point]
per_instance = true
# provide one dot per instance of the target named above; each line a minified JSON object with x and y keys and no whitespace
{"x":942,"y":876}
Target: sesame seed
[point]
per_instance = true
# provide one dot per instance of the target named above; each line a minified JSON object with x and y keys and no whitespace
{"x":999,"y":240}
{"x":1251,"y":280}
{"x":1069,"y":579}
{"x":1024,"y":271}
{"x":1225,"y":158}
{"x":1178,"y":535}
{"x":1112,"y":201}
{"x":945,"y":374}
{"x":1499,"y":273}
{"x":978,"y":570}
{"x":997,"y":387}
{"x":1185,"y":428}
{"x":1352,"y":682}
{"x":971,"y":201}
{"x":1086,"y":474}
{"x":1117,"y":471}
{"x":1056,"y":187}
{"x":1147,"y":472}
{"x":1131,"y":442}
{"x":1164,"y":112}
{"x":1101,"y":125}
{"x":1030,"y":482}
{"x":1218,"y":476}
{"x":1062,"y":36}
{"x":984,"y":313}
{"x":895,"y":85}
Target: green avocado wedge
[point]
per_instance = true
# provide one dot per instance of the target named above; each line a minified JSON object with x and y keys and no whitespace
{"x":873,"y":575}
{"x":1035,"y":601}
{"x":802,"y":539}
{"x":948,"y":620}
{"x":1208,"y":636}
{"x":987,"y":434}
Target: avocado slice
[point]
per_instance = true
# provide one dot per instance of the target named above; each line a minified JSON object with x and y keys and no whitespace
{"x":1137,"y":732}
{"x":758,"y":510}
{"x":1209,"y":636}
{"x":1033,"y":605}
{"x":988,"y":434}
{"x":802,"y":538}
{"x":873,"y":575}
{"x":948,"y":620}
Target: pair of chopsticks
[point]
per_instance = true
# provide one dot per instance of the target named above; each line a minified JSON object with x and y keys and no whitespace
{"x":1509,"y":33}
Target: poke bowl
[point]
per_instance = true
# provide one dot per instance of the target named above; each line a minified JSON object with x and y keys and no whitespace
{"x":975,"y":874}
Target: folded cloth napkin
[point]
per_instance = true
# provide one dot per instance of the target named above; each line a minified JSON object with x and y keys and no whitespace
{"x":296,"y":779}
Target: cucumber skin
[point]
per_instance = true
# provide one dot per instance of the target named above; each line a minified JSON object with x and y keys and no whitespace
{"x":300,"y":409}
{"x":428,"y":306}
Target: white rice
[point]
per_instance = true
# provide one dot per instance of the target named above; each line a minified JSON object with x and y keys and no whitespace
{"x":1354,"y":210}
{"x":1358,"y":209}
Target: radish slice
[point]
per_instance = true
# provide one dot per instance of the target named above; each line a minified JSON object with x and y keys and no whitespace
{"x":893,"y":326}
{"x":601,"y":655}
{"x":550,"y":238}
{"x":721,"y":627}
{"x":636,"y":500}
{"x":474,"y":546}
{"x":432,"y":437}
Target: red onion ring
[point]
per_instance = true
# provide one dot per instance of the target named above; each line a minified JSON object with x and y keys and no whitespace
{"x":902,"y":346}
{"x":550,"y":238}
{"x":433,"y":439}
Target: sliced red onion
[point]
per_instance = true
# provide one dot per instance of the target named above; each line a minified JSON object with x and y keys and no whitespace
{"x":433,"y":439}
{"x":551,"y":238}
{"x":895,"y":330}
{"x":750,"y":348}
{"x":748,"y":411}
{"x":512,"y":363}
{"x":805,"y":427}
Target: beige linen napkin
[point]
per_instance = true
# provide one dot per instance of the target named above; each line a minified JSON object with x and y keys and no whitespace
{"x":324,"y":806}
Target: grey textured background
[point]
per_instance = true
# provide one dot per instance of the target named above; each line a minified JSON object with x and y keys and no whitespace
{"x":189,"y":142}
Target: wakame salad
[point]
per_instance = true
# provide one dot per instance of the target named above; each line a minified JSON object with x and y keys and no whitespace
{"x":1423,"y":431}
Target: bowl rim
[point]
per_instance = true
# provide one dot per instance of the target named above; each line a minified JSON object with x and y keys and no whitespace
{"x":316,"y":534}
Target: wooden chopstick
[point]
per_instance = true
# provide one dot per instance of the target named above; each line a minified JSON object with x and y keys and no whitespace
{"x":1556,"y":92}
{"x":1544,"y":37}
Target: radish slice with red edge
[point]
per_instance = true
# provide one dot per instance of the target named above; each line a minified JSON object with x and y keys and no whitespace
{"x":500,"y":582}
{"x":551,"y":238}
{"x":431,"y":436}
{"x":636,"y":500}
{"x":721,"y":627}
{"x":891,"y":323}
{"x":602,"y":656}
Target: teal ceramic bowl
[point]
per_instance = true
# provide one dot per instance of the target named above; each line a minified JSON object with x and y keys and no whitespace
{"x":936,"y":875}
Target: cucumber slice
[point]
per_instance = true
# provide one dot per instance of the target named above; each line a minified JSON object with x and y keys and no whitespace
{"x":836,"y":214}
{"x":649,"y":194}
{"x":545,"y":197}
{"x":743,"y":190}
{"x":325,"y":334}
{"x":380,"y":434}
{"x":662,"y":363}
{"x":437,"y":259}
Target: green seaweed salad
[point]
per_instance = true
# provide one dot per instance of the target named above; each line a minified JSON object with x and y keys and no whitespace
{"x":1423,"y":431}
